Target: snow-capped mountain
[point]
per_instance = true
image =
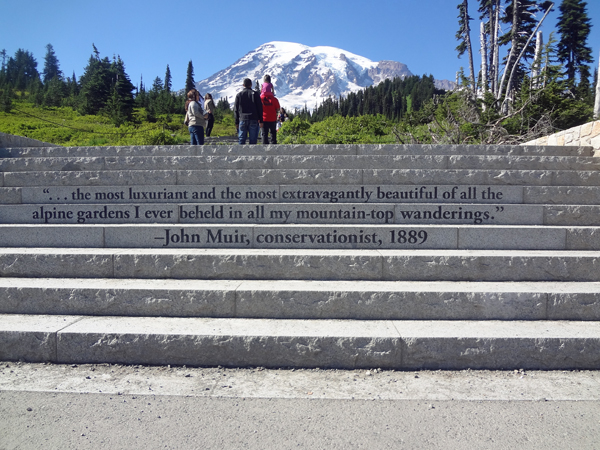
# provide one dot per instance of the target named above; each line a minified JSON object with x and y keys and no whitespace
{"x":302,"y":75}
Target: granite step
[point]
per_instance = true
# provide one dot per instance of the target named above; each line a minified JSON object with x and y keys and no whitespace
{"x":285,"y":264}
{"x":302,"y":214}
{"x":296,"y":149}
{"x":313,"y":177}
{"x":453,"y":162}
{"x":346,"y":256}
{"x":345,"y":344}
{"x":349,"y":237}
{"x":324,"y":194}
{"x":458,"y":162}
{"x":302,"y":299}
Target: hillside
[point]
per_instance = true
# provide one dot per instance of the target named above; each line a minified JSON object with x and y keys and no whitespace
{"x":64,"y":126}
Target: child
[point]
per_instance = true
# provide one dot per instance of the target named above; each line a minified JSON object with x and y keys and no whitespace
{"x":267,"y":87}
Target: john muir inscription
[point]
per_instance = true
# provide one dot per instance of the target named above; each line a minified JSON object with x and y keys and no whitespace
{"x":291,"y":237}
{"x":286,"y":204}
{"x":273,"y":213}
{"x":273,"y":216}
{"x":219,"y":236}
{"x":283,"y":193}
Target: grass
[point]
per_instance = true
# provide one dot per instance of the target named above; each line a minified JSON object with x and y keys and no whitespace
{"x":64,"y":126}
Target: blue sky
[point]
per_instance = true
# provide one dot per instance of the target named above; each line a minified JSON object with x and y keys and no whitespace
{"x":150,"y":34}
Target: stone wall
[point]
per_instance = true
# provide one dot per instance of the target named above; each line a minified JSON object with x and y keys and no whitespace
{"x":11,"y":141}
{"x":587,"y":135}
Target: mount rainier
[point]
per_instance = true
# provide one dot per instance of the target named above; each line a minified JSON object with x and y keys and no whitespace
{"x":302,"y":75}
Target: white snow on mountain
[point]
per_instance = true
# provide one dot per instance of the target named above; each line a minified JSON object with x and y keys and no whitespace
{"x":302,"y":75}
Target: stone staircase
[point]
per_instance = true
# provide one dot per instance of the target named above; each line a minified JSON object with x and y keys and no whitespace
{"x":349,"y":256}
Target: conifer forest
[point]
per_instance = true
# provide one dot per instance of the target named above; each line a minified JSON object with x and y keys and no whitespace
{"x":527,"y":85}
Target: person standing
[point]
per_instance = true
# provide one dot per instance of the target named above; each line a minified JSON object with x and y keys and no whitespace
{"x":209,"y":108}
{"x":270,"y":106}
{"x":267,"y":86}
{"x":194,"y":118}
{"x":248,"y":113}
{"x":283,"y":115}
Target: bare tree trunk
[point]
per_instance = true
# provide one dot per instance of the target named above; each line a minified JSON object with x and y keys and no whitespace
{"x":494,"y":46}
{"x":511,"y":55}
{"x":537,"y":62}
{"x":469,"y":48}
{"x":515,"y":65}
{"x":597,"y":102}
{"x":484,"y":68}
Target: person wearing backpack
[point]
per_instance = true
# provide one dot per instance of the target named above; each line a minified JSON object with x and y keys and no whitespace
{"x":270,"y":106}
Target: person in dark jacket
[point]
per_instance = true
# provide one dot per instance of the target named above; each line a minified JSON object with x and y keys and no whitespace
{"x":248,"y":113}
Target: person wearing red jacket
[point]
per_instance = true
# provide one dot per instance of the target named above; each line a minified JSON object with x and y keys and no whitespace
{"x":270,"y":106}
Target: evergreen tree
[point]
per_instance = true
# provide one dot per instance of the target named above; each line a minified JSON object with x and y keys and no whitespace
{"x":154,"y":108}
{"x":36,"y":92}
{"x":141,"y":99}
{"x":555,"y":101}
{"x":189,"y":80}
{"x":121,"y":101}
{"x":3,"y":67}
{"x":74,"y":86}
{"x":166,"y":103}
{"x":96,"y":84}
{"x":6,"y":99}
{"x":596,"y":89}
{"x":157,"y":86}
{"x":21,"y":70}
{"x":574,"y":28}
{"x":71,"y":90}
{"x":390,"y":99}
{"x":106,"y":88}
{"x":3,"y":56}
{"x":55,"y":92}
{"x":168,"y":83}
{"x":51,"y":67}
{"x":223,"y":104}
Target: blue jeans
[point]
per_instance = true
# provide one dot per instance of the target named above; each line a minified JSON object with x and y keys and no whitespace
{"x":248,"y":128}
{"x":196,"y":135}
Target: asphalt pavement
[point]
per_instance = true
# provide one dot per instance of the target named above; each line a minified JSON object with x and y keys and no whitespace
{"x":45,"y":406}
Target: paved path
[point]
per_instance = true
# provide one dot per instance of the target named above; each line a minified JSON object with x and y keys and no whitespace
{"x":114,"y":407}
